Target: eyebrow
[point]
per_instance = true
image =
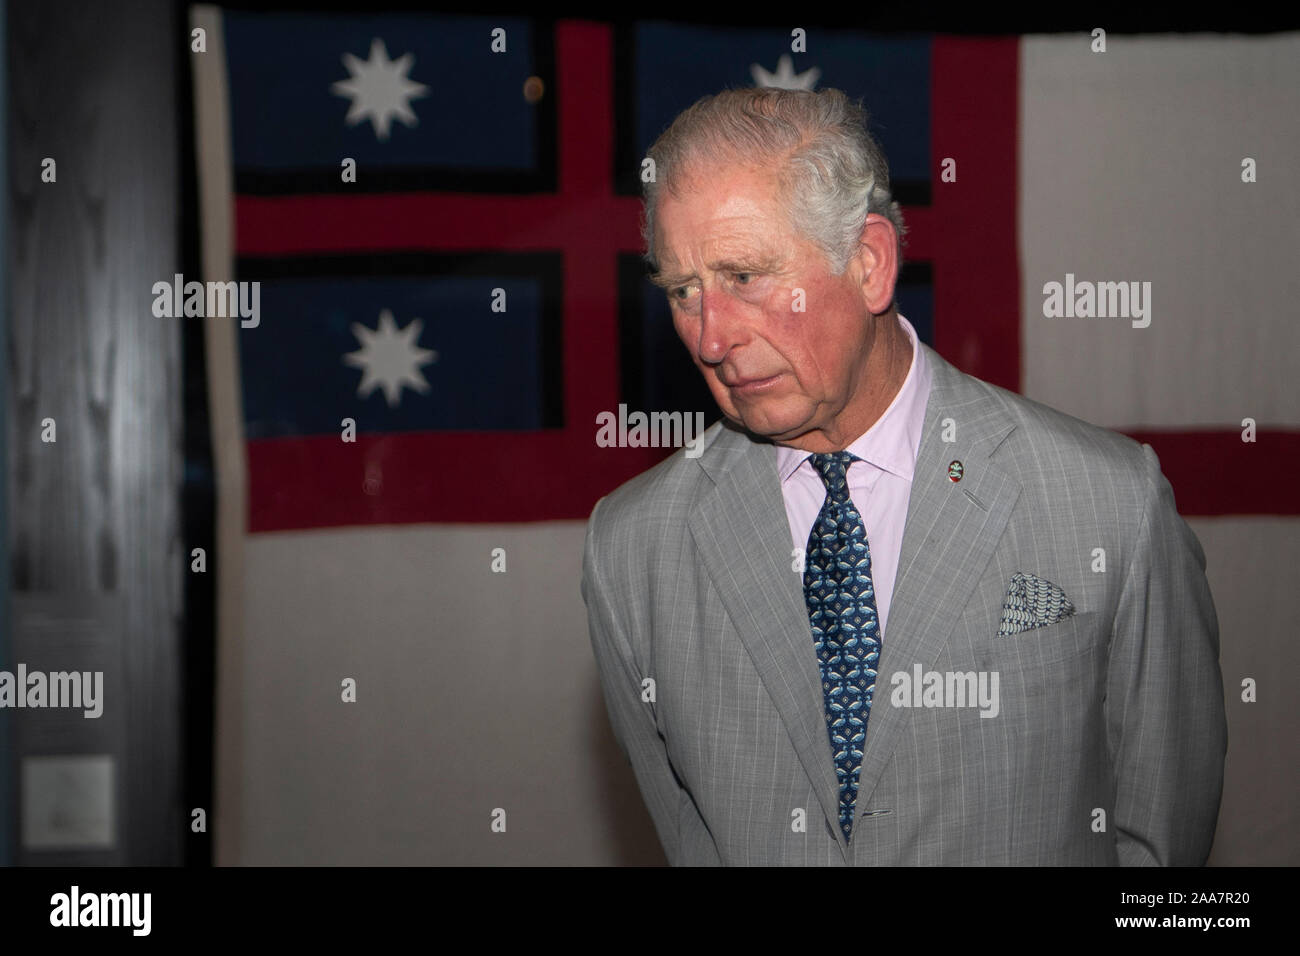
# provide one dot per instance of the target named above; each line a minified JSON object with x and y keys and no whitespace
{"x":760,"y":263}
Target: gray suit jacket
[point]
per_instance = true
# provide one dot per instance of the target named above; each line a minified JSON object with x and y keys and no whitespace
{"x":1109,"y":740}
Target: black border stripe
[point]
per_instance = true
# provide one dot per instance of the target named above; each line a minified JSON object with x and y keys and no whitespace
{"x":971,"y":20}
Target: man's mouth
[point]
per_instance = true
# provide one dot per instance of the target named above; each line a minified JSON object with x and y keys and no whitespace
{"x":754,"y":384}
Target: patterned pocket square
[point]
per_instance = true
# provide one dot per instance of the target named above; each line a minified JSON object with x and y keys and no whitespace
{"x":1032,"y":602}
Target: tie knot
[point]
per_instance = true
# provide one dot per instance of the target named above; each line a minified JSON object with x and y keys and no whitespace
{"x":833,"y":469}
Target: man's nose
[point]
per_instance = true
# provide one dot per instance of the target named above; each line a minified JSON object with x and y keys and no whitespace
{"x":721,"y":325}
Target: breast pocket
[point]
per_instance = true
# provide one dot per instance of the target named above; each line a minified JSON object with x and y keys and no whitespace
{"x":1050,"y":732}
{"x":1051,"y":673}
{"x":1071,"y":637}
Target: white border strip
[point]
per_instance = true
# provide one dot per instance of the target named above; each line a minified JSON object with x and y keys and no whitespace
{"x":216,"y":214}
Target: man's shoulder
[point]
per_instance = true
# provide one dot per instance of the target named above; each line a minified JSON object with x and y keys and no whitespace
{"x":1061,"y":458}
{"x":1039,"y":440}
{"x":661,"y":496}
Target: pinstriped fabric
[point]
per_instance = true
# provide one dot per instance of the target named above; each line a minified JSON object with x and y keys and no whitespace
{"x":688,"y":580}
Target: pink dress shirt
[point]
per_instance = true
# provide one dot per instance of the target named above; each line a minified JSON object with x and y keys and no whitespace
{"x":880,"y":484}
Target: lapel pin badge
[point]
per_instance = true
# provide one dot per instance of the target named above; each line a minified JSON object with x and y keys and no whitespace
{"x":955,"y":471}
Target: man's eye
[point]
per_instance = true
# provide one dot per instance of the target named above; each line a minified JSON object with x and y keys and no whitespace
{"x":744,"y":278}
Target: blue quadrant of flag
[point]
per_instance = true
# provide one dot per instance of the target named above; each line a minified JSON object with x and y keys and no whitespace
{"x":486,"y":373}
{"x":891,"y":74}
{"x":286,"y":112}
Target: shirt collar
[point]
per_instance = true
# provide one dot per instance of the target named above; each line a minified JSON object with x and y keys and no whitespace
{"x":892,"y":442}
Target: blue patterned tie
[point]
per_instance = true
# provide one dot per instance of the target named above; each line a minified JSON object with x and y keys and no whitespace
{"x":845,"y":626}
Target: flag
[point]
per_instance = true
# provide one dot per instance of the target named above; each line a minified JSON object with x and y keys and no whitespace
{"x":442,"y":215}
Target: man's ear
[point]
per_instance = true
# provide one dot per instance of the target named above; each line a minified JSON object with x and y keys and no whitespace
{"x":877,"y":263}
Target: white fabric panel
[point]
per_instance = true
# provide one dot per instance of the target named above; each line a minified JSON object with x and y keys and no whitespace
{"x":475,"y":690}
{"x":1251,"y":564}
{"x":1130,"y":169}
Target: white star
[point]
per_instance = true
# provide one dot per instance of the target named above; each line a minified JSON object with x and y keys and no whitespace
{"x":389,"y":358}
{"x":379,"y":89}
{"x":785,"y":78}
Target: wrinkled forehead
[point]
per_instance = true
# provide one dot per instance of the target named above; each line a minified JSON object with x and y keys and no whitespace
{"x":715,"y":200}
{"x":725,"y":243}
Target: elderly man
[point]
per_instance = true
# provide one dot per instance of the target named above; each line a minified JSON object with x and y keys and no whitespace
{"x":891,"y":614}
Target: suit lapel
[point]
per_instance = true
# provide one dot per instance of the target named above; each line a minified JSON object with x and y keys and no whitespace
{"x":951,"y":530}
{"x":743,"y":535}
{"x":949,"y":536}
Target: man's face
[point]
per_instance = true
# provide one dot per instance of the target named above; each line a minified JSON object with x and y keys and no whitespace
{"x":733,"y":269}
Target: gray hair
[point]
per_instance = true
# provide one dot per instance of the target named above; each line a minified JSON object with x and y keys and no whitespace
{"x":832,"y":173}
